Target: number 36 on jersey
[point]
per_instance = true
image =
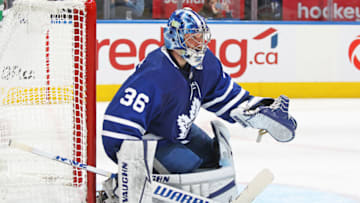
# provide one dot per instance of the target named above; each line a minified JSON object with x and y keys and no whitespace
{"x":134,"y":99}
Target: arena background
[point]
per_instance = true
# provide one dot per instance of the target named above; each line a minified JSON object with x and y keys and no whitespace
{"x":315,"y":63}
{"x":301,"y":60}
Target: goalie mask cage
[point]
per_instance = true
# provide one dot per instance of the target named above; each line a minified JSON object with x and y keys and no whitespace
{"x":47,"y":99}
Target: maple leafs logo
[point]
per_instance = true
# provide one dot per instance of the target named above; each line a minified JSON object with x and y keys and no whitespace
{"x":184,"y":122}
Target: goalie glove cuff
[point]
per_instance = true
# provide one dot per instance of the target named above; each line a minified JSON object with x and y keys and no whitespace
{"x":248,"y":108}
{"x":274,"y":118}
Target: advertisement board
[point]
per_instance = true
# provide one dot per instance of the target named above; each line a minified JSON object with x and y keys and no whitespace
{"x":318,"y":10}
{"x":250,"y":53}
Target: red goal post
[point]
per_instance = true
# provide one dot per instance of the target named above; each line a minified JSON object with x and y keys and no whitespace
{"x":48,"y":99}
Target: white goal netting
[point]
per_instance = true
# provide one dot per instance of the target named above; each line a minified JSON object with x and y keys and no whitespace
{"x":43,"y":96}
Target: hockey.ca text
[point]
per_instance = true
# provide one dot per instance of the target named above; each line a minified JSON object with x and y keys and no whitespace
{"x":341,"y":12}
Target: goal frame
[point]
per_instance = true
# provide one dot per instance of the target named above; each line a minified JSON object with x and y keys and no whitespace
{"x":78,"y":76}
{"x":90,"y":6}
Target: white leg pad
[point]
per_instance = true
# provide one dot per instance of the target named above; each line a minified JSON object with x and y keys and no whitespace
{"x":135,"y":161}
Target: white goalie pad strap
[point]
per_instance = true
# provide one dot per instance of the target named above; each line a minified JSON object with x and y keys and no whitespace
{"x":224,"y":190}
{"x":159,"y":167}
{"x":205,"y":176}
{"x":149,"y":136}
{"x":135,"y":170}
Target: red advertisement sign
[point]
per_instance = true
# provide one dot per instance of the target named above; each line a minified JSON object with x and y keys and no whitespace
{"x":268,"y":56}
{"x":318,"y":10}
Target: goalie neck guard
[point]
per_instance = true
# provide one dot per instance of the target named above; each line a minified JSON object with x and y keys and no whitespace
{"x":188,"y":33}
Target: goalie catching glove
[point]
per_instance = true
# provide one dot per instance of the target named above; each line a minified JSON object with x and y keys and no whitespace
{"x":267,"y":114}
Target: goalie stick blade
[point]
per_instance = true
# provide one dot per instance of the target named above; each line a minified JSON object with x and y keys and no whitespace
{"x":255,"y":187}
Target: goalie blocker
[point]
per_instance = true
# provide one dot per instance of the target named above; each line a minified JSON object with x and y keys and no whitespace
{"x":135,"y":175}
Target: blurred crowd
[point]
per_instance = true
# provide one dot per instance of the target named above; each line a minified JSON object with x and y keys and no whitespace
{"x":211,"y":9}
{"x":287,"y":10}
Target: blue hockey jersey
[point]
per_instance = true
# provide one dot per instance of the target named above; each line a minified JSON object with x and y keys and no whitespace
{"x":161,"y":99}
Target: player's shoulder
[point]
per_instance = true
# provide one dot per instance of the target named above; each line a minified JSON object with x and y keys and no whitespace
{"x":154,"y":70}
{"x":156,"y":53}
{"x":211,"y":63}
{"x":210,"y":55}
{"x":155,"y":62}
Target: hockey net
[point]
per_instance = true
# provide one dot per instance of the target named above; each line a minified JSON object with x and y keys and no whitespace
{"x":47,"y":99}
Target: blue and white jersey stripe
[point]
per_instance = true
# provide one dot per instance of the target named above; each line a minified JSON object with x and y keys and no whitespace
{"x":120,"y":136}
{"x":220,"y":98}
{"x":236,"y":100}
{"x":125,"y":122}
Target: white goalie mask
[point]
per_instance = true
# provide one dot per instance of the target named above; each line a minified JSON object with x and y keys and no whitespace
{"x":188,"y":34}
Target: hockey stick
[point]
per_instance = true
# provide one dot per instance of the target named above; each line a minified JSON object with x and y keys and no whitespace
{"x":157,"y":190}
{"x":254,"y":188}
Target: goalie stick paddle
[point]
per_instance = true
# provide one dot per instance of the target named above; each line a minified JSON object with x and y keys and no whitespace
{"x":254,"y":188}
